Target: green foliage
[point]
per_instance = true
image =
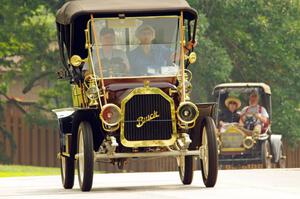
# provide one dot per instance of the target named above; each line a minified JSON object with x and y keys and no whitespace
{"x":29,"y":50}
{"x":262,"y":40}
{"x":215,"y":64}
{"x":28,"y":34}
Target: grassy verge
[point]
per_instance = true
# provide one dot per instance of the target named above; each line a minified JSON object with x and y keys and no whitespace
{"x":16,"y":170}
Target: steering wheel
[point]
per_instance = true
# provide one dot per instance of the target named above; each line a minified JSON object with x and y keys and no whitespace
{"x":250,"y":121}
{"x":116,"y":67}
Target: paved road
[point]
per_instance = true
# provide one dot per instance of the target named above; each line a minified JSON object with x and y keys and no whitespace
{"x":254,"y":184}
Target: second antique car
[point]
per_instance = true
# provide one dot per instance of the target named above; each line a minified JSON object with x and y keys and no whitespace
{"x":239,"y":141}
{"x":127,"y":64}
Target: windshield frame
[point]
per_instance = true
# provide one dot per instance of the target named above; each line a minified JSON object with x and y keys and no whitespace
{"x":91,"y":46}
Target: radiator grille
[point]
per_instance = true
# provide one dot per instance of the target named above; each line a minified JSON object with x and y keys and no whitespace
{"x":158,"y":128}
{"x":232,"y":140}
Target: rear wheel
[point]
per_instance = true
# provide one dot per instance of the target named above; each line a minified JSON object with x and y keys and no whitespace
{"x":266,"y":153}
{"x":67,"y":167}
{"x":209,"y":153}
{"x":186,"y":169}
{"x":85,"y":159}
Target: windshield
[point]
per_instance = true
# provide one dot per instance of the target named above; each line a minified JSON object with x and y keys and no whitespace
{"x":143,"y":46}
{"x":243,"y":96}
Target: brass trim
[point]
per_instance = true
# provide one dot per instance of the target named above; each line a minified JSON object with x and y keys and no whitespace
{"x":240,"y":149}
{"x":141,"y":120}
{"x":250,"y":139}
{"x":98,"y":59}
{"x":235,"y":130}
{"x":76,"y":60}
{"x":77,"y":96}
{"x":110,"y":128}
{"x":101,"y":114}
{"x":186,"y":126}
{"x":140,"y":77}
{"x":68,"y":139}
{"x":182,"y":54}
{"x":89,"y":43}
{"x":148,"y":143}
{"x":192,"y":57}
{"x":193,"y":105}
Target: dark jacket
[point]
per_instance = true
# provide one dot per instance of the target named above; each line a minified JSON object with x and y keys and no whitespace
{"x":229,"y":117}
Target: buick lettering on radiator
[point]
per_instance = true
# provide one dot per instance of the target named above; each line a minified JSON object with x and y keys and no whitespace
{"x":142,"y":120}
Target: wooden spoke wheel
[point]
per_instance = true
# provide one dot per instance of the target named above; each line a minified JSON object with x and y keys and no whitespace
{"x":85,"y":156}
{"x":209,"y":153}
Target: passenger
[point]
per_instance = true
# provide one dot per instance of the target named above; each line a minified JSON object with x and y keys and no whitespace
{"x":148,"y":58}
{"x":254,"y":117}
{"x":230,"y":115}
{"x":111,"y":58}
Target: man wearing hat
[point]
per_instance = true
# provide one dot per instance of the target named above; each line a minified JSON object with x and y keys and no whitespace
{"x":230,"y":115}
{"x":254,"y":109}
{"x":147,"y":58}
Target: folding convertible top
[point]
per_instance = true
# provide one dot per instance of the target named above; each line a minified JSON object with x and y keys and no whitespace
{"x":264,"y":86}
{"x":72,"y":9}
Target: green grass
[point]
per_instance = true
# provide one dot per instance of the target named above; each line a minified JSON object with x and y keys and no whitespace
{"x":16,"y":171}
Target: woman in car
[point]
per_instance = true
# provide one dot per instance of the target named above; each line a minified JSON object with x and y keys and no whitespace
{"x":230,"y":115}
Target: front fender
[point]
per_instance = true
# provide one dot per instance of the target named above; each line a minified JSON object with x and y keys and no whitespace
{"x":69,"y":120}
{"x":64,"y":118}
{"x":205,"y":110}
{"x":276,"y":144}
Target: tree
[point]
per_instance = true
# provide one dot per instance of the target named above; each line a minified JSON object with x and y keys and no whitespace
{"x":29,"y":49}
{"x":213,"y":65}
{"x":262,"y":40}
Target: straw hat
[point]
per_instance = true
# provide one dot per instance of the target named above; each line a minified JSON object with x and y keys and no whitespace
{"x":232,"y":99}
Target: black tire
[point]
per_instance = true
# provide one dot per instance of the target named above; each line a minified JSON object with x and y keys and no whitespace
{"x":85,"y":146}
{"x":282,"y":159}
{"x":266,"y":153}
{"x":186,"y":170}
{"x":67,"y":171}
{"x":208,"y":129}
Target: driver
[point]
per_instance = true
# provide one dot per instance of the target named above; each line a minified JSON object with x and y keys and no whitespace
{"x":109,"y":56}
{"x":147,"y":58}
{"x":230,"y":114}
{"x":254,"y":116}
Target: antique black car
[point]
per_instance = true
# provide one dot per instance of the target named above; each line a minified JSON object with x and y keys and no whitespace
{"x":239,"y":141}
{"x":127,"y":64}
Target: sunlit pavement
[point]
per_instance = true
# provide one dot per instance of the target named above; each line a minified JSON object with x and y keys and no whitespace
{"x":255,"y":184}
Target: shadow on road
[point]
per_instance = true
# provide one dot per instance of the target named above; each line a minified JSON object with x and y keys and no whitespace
{"x":121,"y":189}
{"x":147,"y":188}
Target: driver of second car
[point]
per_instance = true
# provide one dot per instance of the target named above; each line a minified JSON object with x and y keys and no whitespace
{"x":112,"y":59}
{"x":254,"y":117}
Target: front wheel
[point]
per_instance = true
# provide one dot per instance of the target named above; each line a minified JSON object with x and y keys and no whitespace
{"x":266,"y":155}
{"x":186,"y":169}
{"x":85,"y":158}
{"x":209,"y":153}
